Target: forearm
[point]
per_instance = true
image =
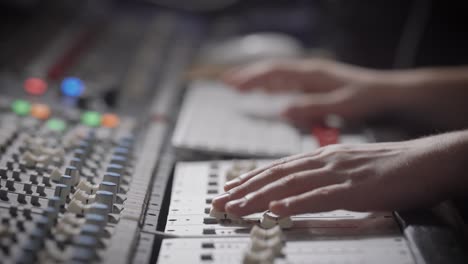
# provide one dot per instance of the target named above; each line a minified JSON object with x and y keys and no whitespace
{"x":438,"y":95}
{"x":449,"y":151}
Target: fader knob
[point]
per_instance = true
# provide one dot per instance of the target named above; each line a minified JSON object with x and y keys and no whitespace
{"x":17,"y":175}
{"x":263,"y":257}
{"x":3,"y":172}
{"x":79,"y":153}
{"x":54,"y":202}
{"x":95,"y":219}
{"x":114,"y":178}
{"x":86,"y":186}
{"x":106,"y":198}
{"x":275,"y":244}
{"x":115,"y":168}
{"x":46,"y":181}
{"x":66,"y":180}
{"x":27,"y":213}
{"x":10,"y":185}
{"x":109,"y":187}
{"x":99,"y":209}
{"x":27,"y":188}
{"x":120,"y":160}
{"x":73,"y":173}
{"x":62,"y":191}
{"x":33,"y":177}
{"x":55,"y":175}
{"x":76,"y":206}
{"x":269,"y":220}
{"x":121,"y":152}
{"x":261,"y":233}
{"x":51,"y":213}
{"x":76,"y":162}
{"x":83,"y":255}
{"x":40,"y":189}
{"x":3,"y":194}
{"x":92,"y":230}
{"x":86,"y":241}
{"x":83,"y":197}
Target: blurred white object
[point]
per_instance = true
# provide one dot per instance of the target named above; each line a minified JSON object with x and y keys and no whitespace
{"x":252,"y":47}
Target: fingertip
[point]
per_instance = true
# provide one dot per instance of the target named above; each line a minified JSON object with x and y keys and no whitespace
{"x":279,"y":207}
{"x":231,"y":184}
{"x":235,"y":207}
{"x":220,"y":201}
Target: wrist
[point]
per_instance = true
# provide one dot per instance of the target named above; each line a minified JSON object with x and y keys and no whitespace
{"x":401,"y":90}
{"x":449,"y":154}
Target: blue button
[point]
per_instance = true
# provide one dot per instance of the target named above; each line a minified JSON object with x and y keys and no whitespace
{"x":72,"y":87}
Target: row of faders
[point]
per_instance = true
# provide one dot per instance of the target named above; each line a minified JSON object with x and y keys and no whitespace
{"x":62,"y":186}
{"x":205,"y":235}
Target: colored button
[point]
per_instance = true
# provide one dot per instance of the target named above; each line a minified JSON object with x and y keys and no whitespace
{"x":72,"y":87}
{"x":326,"y":135}
{"x":110,"y":120}
{"x":35,"y":86}
{"x":56,"y":124}
{"x":21,"y":107}
{"x":40,"y":111}
{"x":91,"y":118}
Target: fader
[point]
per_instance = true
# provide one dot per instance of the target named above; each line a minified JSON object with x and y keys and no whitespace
{"x":206,"y":235}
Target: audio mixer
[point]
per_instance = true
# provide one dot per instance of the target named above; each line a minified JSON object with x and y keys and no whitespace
{"x":108,"y":155}
{"x":79,"y":144}
{"x":206,"y":236}
{"x":216,"y":119}
{"x":63,"y":183}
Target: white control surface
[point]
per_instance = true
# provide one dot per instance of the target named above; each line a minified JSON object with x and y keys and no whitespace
{"x":217,"y":119}
{"x":333,"y":237}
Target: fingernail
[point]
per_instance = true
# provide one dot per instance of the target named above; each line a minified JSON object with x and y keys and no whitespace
{"x":223,"y":196}
{"x":236,"y":204}
{"x":231,"y":182}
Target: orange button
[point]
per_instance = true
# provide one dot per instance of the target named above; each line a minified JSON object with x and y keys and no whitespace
{"x":110,"y":120}
{"x":40,"y":111}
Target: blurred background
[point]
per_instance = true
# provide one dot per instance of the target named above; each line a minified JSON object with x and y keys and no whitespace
{"x":383,"y":34}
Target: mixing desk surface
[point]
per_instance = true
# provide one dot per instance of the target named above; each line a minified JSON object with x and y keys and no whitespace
{"x":206,"y":235}
{"x":216,"y":119}
{"x":108,"y":155}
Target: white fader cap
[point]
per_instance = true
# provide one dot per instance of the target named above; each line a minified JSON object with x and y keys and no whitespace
{"x":269,"y":220}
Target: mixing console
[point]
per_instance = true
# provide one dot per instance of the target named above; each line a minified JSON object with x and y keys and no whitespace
{"x":65,"y":175}
{"x":216,"y":119}
{"x":96,"y":130}
{"x":206,"y":236}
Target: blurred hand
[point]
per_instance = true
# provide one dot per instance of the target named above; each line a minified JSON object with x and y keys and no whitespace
{"x":331,"y":88}
{"x":366,"y":177}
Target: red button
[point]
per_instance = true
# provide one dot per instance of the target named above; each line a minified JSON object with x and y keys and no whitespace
{"x":35,"y":86}
{"x":326,"y":135}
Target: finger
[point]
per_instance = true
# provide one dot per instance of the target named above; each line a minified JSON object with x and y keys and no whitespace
{"x":246,"y":176}
{"x":316,"y":107}
{"x":329,"y":198}
{"x":268,"y":76}
{"x":264,"y":178}
{"x":290,"y":185}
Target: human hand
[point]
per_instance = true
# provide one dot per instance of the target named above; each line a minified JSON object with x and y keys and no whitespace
{"x":366,"y":177}
{"x":351,"y":92}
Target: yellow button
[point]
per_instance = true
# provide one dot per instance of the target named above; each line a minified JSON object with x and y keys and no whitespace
{"x":110,"y":120}
{"x":40,"y":111}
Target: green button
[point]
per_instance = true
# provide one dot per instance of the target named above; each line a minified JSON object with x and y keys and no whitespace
{"x":56,"y":124}
{"x":21,"y":107}
{"x":91,"y":118}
